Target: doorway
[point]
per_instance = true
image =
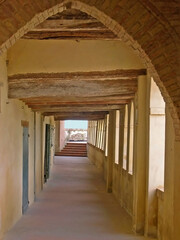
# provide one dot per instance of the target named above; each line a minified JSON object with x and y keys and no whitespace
{"x":47,"y":152}
{"x":25,"y":200}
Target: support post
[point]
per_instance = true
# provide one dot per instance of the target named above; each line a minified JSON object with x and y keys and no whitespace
{"x":110,"y":157}
{"x":140,"y":149}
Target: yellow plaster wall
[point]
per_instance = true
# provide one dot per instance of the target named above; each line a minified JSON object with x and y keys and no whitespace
{"x":11,"y":140}
{"x":13,"y":111}
{"x":61,"y":56}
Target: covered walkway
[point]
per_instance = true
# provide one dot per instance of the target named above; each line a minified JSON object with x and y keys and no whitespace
{"x":74,"y":206}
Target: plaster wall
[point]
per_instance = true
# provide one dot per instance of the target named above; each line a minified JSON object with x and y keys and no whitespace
{"x":42,"y":56}
{"x":12,"y":113}
{"x":11,"y":132}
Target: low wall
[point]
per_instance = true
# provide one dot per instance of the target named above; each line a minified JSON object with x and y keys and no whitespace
{"x":123,"y":188}
{"x":160,"y":196}
{"x":96,"y":156}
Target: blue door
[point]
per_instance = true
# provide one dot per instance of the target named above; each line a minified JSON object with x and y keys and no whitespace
{"x":25,"y":170}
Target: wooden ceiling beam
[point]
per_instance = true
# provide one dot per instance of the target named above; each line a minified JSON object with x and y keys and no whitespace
{"x":26,"y":88}
{"x":71,"y":13}
{"x":67,"y":24}
{"x":74,"y":84}
{"x":92,"y":75}
{"x":95,"y":34}
{"x":88,"y":118}
{"x":114,"y":99}
{"x":76,"y":109}
{"x":77,"y":116}
{"x":74,"y":104}
{"x":70,"y":24}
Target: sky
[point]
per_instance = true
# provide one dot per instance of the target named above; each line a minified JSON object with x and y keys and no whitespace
{"x":76,"y":124}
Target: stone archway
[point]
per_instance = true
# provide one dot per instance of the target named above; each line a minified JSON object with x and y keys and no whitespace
{"x":134,"y":24}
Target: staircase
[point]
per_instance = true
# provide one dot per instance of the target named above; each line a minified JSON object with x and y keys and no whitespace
{"x":73,"y":149}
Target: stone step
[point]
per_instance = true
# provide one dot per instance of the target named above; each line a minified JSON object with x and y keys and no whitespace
{"x":73,"y":149}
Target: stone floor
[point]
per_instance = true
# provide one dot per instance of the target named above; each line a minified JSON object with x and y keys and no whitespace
{"x":74,"y":206}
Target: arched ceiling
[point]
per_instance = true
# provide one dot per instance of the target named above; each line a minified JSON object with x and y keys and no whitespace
{"x":150,"y":27}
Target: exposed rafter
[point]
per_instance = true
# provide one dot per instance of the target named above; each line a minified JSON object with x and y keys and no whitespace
{"x":61,"y":94}
{"x":74,"y":84}
{"x":84,"y":108}
{"x":71,"y":24}
{"x":78,"y":116}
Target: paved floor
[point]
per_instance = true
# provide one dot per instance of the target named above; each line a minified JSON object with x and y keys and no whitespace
{"x":74,"y":206}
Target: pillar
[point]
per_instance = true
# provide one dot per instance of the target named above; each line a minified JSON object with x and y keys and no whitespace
{"x":176,"y":196}
{"x":155,"y":158}
{"x":111,"y":144}
{"x":57,"y":136}
{"x":140,"y":155}
{"x":168,"y":179}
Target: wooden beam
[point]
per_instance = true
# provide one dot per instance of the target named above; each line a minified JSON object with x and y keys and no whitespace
{"x":76,"y":109}
{"x":69,"y":24}
{"x":93,"y":34}
{"x":88,"y":118}
{"x":77,"y":116}
{"x":93,"y":75}
{"x":112,"y":99}
{"x":71,"y":89}
{"x":71,"y":13}
{"x":74,"y":104}
{"x":74,"y":84}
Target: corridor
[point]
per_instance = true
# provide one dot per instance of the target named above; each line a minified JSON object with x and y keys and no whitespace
{"x":74,"y":206}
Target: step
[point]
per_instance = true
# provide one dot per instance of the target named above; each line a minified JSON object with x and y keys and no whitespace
{"x":75,"y":155}
{"x":73,"y":149}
